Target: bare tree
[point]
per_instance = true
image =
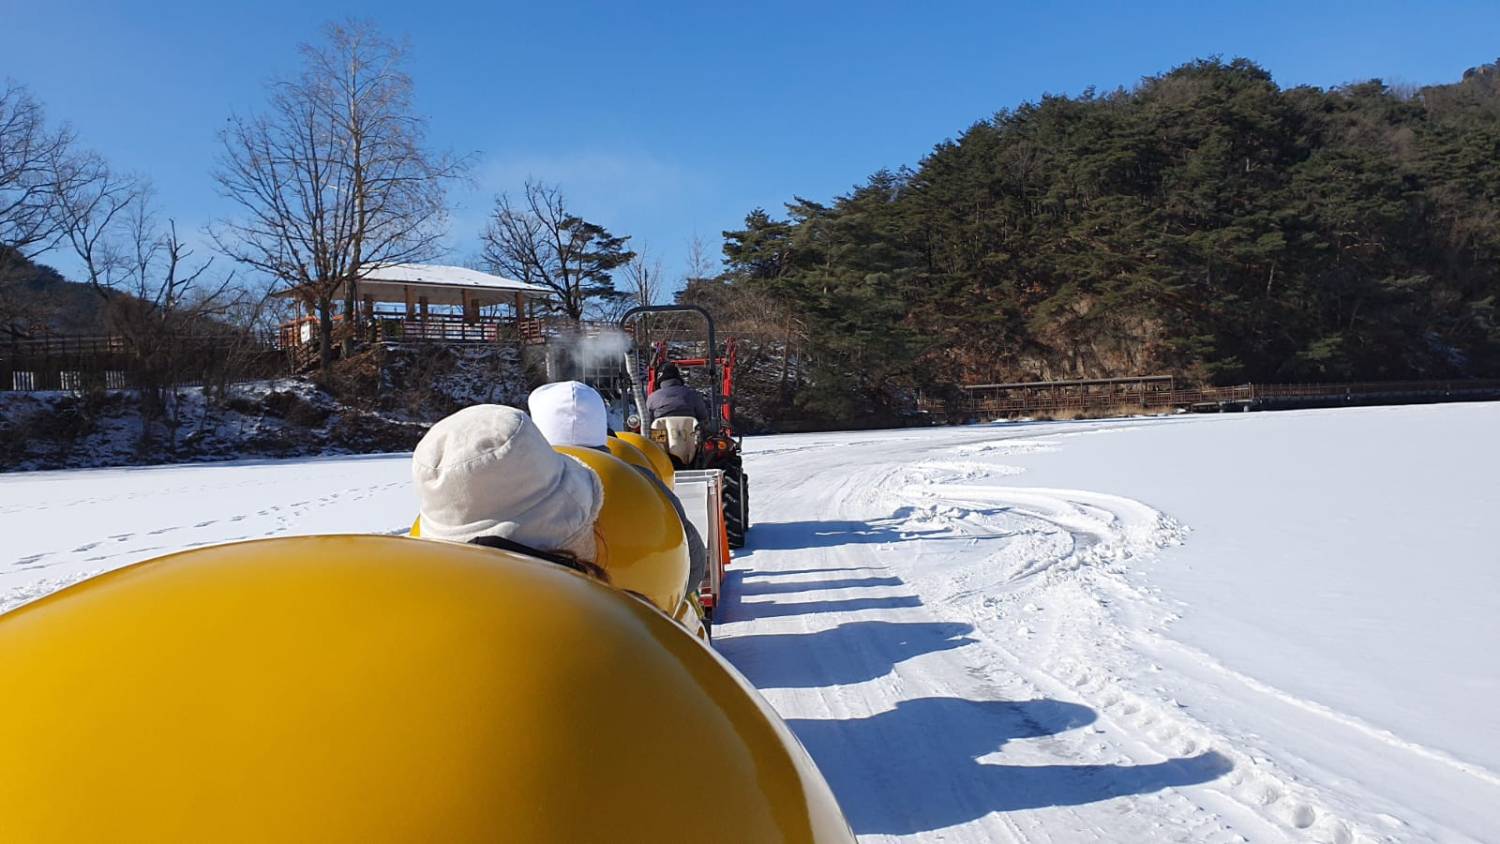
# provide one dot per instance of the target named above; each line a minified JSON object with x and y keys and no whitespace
{"x":92,"y":205}
{"x":158,"y":302}
{"x":644,"y":279}
{"x":335,"y":178}
{"x":772,"y":336}
{"x":30,"y":152}
{"x":700,"y":267}
{"x":537,"y":240}
{"x":28,"y":179}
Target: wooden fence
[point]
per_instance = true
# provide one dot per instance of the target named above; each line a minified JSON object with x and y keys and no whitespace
{"x":447,"y":328}
{"x":1164,"y":394}
{"x":79,"y":363}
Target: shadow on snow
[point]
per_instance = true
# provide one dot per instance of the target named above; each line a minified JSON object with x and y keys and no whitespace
{"x":732,"y":607}
{"x":750,"y":572}
{"x":757,"y":587}
{"x":798,"y":536}
{"x":853,"y":652}
{"x":915,"y":768}
{"x":747,"y":610}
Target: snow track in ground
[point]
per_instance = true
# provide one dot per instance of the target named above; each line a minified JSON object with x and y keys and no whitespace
{"x":64,"y":526}
{"x":975,"y":660}
{"x":930,"y":723}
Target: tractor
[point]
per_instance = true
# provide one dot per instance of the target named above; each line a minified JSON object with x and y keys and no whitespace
{"x":684,"y":335}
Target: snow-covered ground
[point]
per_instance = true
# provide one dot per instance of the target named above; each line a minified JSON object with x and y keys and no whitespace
{"x":60,"y":527}
{"x":1253,"y":626}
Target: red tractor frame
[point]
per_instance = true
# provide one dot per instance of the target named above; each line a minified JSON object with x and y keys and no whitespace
{"x":719,"y":445}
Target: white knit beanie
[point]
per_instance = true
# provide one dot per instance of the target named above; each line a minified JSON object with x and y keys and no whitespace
{"x":487,"y":471}
{"x":570,"y":413}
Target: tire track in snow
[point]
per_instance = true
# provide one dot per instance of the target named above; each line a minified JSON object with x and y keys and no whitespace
{"x":919,"y":684}
{"x":880,"y":678}
{"x":1107,"y":532}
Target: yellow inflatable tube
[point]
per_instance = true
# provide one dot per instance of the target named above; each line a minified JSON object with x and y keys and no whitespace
{"x":640,"y":538}
{"x":660,"y":460}
{"x":369,"y":688}
{"x":630,"y":454}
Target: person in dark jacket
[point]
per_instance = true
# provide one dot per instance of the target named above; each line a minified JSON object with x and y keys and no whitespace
{"x":674,"y":398}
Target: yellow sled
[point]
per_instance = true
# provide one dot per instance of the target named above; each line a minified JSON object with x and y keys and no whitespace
{"x":368,"y":688}
{"x":640,"y":539}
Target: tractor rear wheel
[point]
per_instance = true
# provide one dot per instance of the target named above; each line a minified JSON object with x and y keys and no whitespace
{"x":736,"y":503}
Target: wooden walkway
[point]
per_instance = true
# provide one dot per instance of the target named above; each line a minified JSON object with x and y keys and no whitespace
{"x":1163,"y":394}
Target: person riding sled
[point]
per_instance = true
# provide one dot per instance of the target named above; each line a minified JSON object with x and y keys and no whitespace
{"x":573,"y":413}
{"x":486,"y":476}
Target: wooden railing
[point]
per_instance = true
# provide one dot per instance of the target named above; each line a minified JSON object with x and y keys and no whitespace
{"x":1159,"y":393}
{"x":444,"y":328}
{"x":449,"y":328}
{"x":86,"y":362}
{"x":62,"y":347}
{"x":35,"y":347}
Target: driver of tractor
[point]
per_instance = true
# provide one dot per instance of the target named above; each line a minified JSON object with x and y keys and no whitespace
{"x":573,"y":413}
{"x":671,"y":406}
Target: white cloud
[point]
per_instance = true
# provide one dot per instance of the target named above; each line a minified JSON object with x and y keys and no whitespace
{"x":612,"y":188}
{"x":656,"y":201}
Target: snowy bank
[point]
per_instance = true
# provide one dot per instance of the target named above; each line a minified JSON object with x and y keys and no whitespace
{"x":380,"y":401}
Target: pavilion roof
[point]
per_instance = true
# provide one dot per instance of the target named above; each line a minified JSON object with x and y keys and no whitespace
{"x":440,"y":284}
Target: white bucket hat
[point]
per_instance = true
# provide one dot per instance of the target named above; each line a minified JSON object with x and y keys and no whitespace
{"x":570,"y":413}
{"x":487,"y":471}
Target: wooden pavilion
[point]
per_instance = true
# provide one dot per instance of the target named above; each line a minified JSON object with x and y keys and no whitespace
{"x":401,"y":302}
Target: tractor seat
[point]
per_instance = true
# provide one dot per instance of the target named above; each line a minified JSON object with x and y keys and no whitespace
{"x":678,"y":435}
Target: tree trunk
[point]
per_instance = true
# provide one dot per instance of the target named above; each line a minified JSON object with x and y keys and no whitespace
{"x":356,"y":257}
{"x":350,"y":325}
{"x":325,"y":334}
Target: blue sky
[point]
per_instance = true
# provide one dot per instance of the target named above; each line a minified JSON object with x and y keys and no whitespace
{"x":666,"y":120}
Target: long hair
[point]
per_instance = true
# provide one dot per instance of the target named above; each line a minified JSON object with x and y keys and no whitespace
{"x":565,"y":559}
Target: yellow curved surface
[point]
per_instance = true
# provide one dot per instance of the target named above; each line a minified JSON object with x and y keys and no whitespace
{"x":375,"y":688}
{"x":658,"y":456}
{"x":640,"y":537}
{"x":690,"y":616}
{"x":630,"y":454}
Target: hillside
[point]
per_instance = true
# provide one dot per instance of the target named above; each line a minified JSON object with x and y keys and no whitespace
{"x":1207,"y":223}
{"x":36,"y":299}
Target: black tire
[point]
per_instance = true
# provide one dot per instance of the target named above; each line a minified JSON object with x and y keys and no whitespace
{"x":736,"y":504}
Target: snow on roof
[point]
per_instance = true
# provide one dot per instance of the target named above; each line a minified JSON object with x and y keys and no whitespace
{"x":438,"y":274}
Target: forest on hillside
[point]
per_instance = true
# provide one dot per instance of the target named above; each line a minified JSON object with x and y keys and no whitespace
{"x":1207,"y":224}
